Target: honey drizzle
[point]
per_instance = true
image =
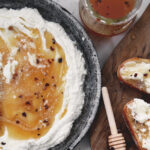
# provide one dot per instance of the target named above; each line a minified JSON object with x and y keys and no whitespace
{"x":34,"y":96}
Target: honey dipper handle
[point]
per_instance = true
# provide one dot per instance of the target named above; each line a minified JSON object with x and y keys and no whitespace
{"x":109,"y":111}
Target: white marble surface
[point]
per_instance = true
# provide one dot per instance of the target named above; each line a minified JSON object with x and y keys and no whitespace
{"x":104,"y":47}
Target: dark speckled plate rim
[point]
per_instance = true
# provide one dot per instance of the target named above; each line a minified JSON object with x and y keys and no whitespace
{"x":94,"y":57}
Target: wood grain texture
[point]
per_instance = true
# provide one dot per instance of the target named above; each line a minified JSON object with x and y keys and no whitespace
{"x":135,"y":44}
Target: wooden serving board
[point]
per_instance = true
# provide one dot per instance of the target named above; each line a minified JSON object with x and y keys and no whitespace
{"x":135,"y":44}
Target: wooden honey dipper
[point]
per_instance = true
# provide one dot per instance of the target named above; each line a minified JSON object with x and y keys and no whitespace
{"x":115,"y":140}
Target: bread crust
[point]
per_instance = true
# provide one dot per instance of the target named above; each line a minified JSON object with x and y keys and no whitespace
{"x":130,"y":126}
{"x":136,"y":59}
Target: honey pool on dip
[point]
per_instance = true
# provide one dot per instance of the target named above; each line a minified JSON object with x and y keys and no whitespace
{"x":32,"y":84}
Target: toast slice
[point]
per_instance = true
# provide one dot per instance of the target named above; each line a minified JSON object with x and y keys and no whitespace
{"x":135,"y":72}
{"x":137,"y":117}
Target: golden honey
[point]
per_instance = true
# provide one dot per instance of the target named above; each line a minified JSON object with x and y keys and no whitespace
{"x":30,"y":102}
{"x":113,"y":9}
{"x":108,"y":17}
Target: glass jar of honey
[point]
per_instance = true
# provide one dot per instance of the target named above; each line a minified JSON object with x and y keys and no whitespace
{"x":108,"y":17}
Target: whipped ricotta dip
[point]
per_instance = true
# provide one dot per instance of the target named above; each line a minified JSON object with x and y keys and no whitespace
{"x":140,"y":111}
{"x":73,"y":93}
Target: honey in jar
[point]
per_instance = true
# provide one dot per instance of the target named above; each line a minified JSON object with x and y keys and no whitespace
{"x":113,"y":9}
{"x":108,"y":17}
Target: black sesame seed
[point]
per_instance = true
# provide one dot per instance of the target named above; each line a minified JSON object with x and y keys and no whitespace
{"x":49,"y":61}
{"x":36,"y":110}
{"x":37,"y":61}
{"x":53,"y":41}
{"x":17,"y":121}
{"x":52,"y":49}
{"x":46,"y":84}
{"x":60,"y":60}
{"x":38,"y":129}
{"x":45,"y":121}
{"x":135,"y":75}
{"x":24,"y":114}
{"x":35,"y":78}
{"x":46,"y":106}
{"x":127,"y":3}
{"x":3,"y":143}
{"x":145,"y":74}
{"x":27,"y":103}
{"x":38,"y":134}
